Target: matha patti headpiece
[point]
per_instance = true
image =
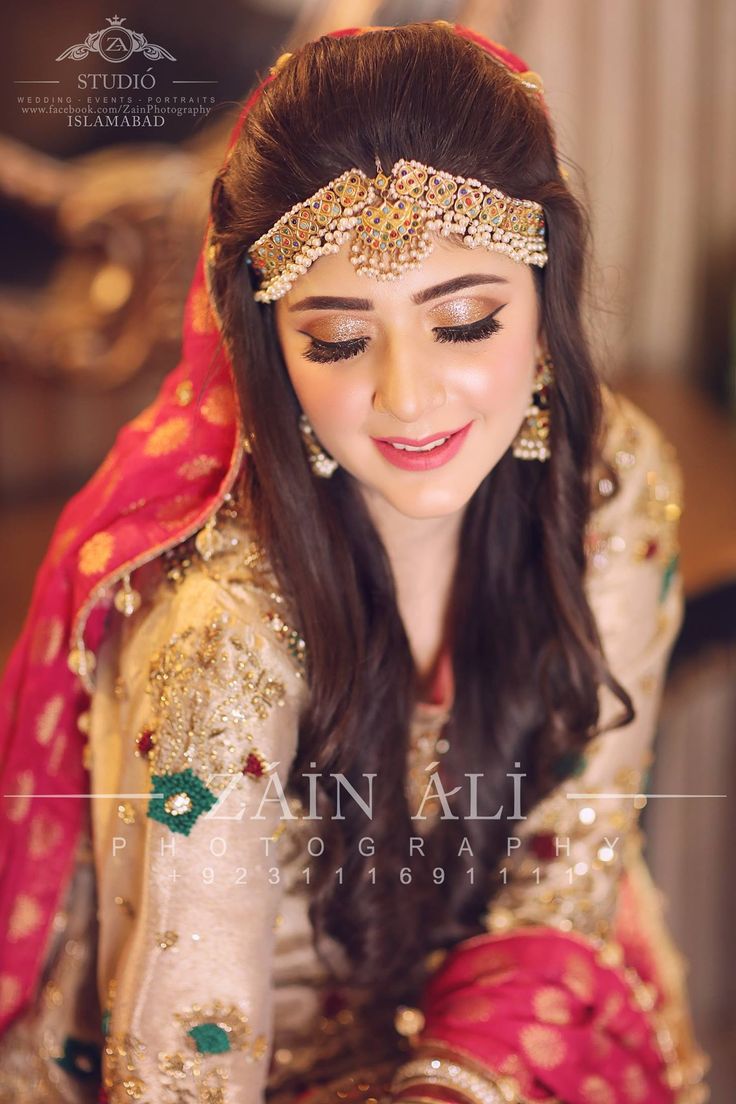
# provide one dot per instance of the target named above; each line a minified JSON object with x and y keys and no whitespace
{"x":392,"y":217}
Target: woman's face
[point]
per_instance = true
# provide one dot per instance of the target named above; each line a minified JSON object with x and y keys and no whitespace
{"x":446,"y":352}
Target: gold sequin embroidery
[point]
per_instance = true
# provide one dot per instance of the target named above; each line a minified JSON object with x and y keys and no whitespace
{"x":209,"y":690}
{"x":121,"y":1068}
{"x":166,"y":939}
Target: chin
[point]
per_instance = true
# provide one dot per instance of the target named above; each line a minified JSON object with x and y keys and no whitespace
{"x":430,"y":504}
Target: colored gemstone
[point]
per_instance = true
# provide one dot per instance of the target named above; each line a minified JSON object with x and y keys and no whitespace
{"x":145,"y":742}
{"x":254,"y":765}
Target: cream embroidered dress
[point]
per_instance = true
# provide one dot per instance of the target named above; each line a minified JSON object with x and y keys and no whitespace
{"x":181,"y":967}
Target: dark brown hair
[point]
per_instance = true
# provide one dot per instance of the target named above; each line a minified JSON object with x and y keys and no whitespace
{"x":525,"y":650}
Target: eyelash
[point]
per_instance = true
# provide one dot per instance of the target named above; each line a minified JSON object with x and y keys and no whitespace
{"x":324,"y":352}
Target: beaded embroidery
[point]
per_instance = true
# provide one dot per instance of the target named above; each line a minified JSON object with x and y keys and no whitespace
{"x":295,"y":644}
{"x":566,"y":876}
{"x":210,"y":690}
{"x":184,"y":799}
{"x":79,"y":1058}
{"x":122,"y":1076}
{"x":224,"y":557}
{"x":658,"y":510}
{"x":215,"y":1028}
{"x":207,"y":1032}
{"x":427,"y":745}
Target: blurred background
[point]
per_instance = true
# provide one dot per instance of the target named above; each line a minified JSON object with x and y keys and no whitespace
{"x":101,"y":221}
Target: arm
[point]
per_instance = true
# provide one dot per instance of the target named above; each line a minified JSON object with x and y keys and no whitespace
{"x":548,"y":1004}
{"x":211,"y":732}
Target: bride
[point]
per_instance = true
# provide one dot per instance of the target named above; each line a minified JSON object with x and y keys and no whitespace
{"x":384,"y":534}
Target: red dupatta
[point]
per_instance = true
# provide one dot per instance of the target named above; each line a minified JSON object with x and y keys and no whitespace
{"x":166,"y":474}
{"x":548,"y":1015}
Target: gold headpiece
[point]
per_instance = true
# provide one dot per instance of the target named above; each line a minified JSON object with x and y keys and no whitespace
{"x":392,"y":216}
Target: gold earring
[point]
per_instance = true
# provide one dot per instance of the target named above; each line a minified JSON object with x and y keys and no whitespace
{"x":532,"y":439}
{"x":322,"y":464}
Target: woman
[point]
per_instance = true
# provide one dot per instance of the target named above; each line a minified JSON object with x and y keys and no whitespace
{"x":368,"y":616}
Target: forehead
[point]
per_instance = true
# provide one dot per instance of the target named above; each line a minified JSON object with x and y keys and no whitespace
{"x":334,"y":274}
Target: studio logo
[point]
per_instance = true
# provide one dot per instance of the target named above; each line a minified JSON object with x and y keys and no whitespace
{"x":116,"y":43}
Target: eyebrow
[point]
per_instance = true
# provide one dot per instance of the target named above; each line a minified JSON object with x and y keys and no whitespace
{"x":339,"y":302}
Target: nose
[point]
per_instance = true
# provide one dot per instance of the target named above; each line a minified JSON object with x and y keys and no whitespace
{"x":407,"y":387}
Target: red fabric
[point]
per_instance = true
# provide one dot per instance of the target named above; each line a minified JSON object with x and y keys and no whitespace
{"x":166,"y":473}
{"x":441,"y":689}
{"x":535,"y":1004}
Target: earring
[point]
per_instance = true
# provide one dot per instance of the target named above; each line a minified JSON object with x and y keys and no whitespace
{"x":532,"y":439}
{"x":322,"y":464}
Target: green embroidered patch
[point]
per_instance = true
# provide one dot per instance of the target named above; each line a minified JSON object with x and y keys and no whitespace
{"x":80,"y":1059}
{"x":210,"y":1038}
{"x":185,"y":798}
{"x":572,"y":764}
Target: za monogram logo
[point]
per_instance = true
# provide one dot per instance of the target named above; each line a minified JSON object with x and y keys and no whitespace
{"x":116,"y":43}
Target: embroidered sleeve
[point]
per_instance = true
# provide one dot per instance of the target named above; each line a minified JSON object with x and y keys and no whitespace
{"x":552,"y":1002}
{"x":190,"y":1014}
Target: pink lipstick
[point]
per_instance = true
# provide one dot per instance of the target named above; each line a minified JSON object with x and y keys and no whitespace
{"x":420,"y":454}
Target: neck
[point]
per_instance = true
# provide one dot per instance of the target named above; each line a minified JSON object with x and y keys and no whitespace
{"x":423,"y":556}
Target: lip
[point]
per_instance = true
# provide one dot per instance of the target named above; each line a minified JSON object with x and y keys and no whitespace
{"x":418,"y":440}
{"x":422,"y":461}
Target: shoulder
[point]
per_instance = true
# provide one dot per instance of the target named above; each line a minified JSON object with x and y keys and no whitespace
{"x":638,"y":497}
{"x":633,"y":579}
{"x":210,"y":663}
{"x":219,"y":586}
{"x":210,"y":674}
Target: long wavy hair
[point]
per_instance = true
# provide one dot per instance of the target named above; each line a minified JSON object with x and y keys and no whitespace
{"x":526,"y":655}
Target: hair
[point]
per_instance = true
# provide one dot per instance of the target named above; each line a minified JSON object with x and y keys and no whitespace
{"x":526,"y":654}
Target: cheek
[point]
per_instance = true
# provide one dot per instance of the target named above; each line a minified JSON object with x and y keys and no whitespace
{"x":498,"y":382}
{"x":332,"y":399}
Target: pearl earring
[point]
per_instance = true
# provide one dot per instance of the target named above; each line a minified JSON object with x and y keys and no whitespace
{"x":322,"y":464}
{"x":532,"y":439}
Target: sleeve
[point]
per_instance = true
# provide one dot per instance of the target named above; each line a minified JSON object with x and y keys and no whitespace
{"x":548,"y":1004}
{"x":211,"y":733}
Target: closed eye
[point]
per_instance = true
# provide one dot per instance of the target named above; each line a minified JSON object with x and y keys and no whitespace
{"x":326,"y":351}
